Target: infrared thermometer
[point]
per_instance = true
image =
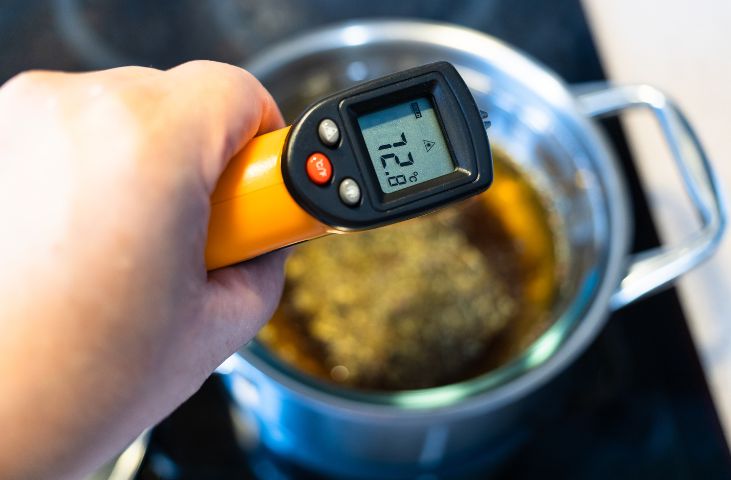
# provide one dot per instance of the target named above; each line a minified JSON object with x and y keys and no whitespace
{"x":380,"y":152}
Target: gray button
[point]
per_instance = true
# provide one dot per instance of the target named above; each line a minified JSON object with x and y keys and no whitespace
{"x":329,"y":132}
{"x":349,"y":192}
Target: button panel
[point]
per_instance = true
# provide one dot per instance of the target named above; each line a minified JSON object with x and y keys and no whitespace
{"x":319,"y":168}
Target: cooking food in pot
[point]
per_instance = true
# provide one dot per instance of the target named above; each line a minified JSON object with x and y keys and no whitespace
{"x":428,"y":302}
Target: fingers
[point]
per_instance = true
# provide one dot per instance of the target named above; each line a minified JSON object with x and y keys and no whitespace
{"x":226,"y":106}
{"x":231,"y":107}
{"x":241,"y":298}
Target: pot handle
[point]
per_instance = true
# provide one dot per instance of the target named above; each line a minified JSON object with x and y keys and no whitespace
{"x":653,"y":269}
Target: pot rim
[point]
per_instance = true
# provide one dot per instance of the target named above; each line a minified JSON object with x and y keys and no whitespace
{"x":554,"y":349}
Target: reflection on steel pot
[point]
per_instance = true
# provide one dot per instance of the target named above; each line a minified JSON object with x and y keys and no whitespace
{"x":548,"y":132}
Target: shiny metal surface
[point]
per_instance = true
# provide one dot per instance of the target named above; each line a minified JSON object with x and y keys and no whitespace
{"x":542,"y":127}
{"x":651,"y":270}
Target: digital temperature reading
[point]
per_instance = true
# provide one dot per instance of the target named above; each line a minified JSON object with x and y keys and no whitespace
{"x":406,"y":144}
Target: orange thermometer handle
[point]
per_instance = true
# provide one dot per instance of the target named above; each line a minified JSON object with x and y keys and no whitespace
{"x":252,"y":212}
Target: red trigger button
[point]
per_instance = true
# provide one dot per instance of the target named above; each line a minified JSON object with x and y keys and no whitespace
{"x":319,"y":168}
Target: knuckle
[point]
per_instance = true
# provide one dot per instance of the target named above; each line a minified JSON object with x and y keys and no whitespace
{"x":208,"y":65}
{"x":132,"y":71}
{"x":221,"y":75}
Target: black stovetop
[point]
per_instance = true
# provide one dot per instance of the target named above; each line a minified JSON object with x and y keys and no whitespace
{"x":638,"y":404}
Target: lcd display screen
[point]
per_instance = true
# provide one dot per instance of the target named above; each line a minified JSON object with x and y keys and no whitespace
{"x":406,"y":144}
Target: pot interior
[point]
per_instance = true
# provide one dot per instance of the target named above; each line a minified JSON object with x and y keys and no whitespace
{"x":532,"y":249}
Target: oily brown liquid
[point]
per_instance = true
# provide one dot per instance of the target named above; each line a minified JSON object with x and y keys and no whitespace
{"x":427,"y":302}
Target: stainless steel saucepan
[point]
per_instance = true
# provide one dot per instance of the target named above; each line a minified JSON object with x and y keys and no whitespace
{"x":549,"y":130}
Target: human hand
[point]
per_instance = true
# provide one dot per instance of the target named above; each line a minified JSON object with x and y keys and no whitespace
{"x":108,"y":318}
